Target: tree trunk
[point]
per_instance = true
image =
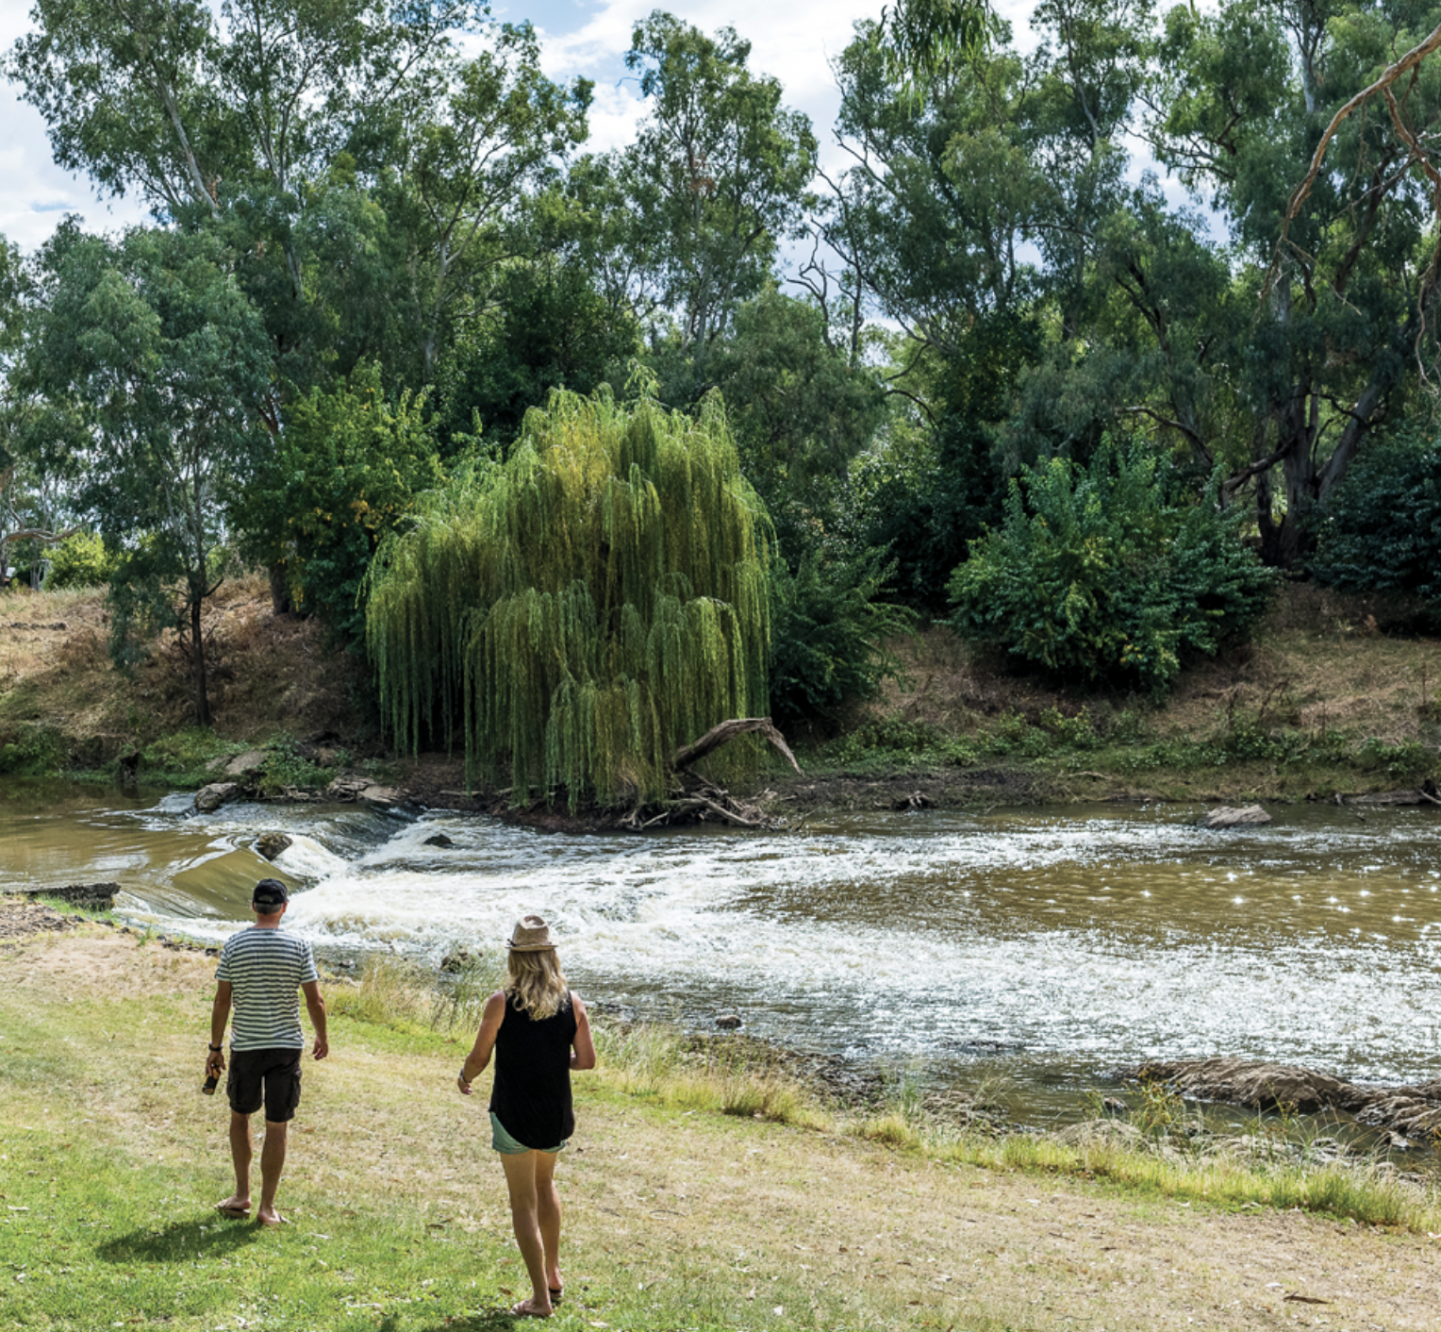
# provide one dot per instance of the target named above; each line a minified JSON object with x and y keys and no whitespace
{"x":197,"y":668}
{"x":279,"y":590}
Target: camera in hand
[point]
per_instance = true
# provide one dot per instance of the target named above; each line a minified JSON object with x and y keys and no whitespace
{"x":210,"y":1081}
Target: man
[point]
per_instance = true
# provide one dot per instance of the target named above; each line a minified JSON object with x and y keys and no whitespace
{"x":261,"y":968}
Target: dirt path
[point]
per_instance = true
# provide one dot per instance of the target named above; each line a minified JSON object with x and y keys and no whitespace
{"x":788,"y":1214}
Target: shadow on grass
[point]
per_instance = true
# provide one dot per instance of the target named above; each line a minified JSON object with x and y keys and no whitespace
{"x":180,"y":1239}
{"x":483,"y":1320}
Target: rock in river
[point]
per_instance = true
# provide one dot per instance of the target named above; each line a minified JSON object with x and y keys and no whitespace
{"x":271,"y":844}
{"x":1223,"y":816}
{"x":209,"y":798}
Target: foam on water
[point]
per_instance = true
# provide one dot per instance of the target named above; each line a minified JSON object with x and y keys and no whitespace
{"x":1090,"y":941}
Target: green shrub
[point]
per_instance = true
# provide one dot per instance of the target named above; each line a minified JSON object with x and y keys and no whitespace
{"x":1095,"y":577}
{"x":345,"y":473}
{"x":79,"y":561}
{"x":829,"y":635}
{"x":1380,"y":528}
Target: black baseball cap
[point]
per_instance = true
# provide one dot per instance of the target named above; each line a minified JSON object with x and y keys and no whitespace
{"x":269,"y":893}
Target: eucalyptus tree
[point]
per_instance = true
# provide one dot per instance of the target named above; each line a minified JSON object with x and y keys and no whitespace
{"x":37,"y":434}
{"x":152,"y":339}
{"x":582,"y":611}
{"x":799,"y":408}
{"x":715,"y":179}
{"x":1345,"y":292}
{"x":933,"y":211}
{"x":301,"y":126}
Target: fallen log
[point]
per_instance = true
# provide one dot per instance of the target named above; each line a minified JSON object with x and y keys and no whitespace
{"x":726,"y":731}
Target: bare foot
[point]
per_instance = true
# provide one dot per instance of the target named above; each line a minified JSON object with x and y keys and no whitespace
{"x":531,"y":1308}
{"x":234,"y":1205}
{"x":268,"y":1216}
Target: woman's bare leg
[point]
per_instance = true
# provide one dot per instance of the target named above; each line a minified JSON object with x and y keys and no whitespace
{"x":548,"y":1214}
{"x":520,"y":1179}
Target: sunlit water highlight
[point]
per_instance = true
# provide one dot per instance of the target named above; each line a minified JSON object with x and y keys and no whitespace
{"x":1047,"y":944}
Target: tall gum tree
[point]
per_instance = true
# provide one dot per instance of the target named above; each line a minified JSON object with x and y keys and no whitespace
{"x":716,"y":178}
{"x":1346,"y":310}
{"x":294,"y":121}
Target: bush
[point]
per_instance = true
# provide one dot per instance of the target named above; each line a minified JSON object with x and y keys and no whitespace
{"x":829,"y":635}
{"x":1380,"y":529}
{"x":79,"y":561}
{"x":345,"y":473}
{"x":1095,"y":577}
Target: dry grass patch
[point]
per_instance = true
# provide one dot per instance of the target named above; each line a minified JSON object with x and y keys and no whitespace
{"x":269,"y":674}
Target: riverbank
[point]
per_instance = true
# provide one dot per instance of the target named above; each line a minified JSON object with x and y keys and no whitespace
{"x":678,"y":1216}
{"x":1336,"y":696}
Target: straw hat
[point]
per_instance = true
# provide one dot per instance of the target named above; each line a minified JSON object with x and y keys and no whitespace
{"x":530,"y":935}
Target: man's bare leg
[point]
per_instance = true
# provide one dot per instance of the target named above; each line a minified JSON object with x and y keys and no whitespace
{"x":520,"y":1172}
{"x":547,"y":1201}
{"x":272,"y":1162}
{"x":241,"y":1150}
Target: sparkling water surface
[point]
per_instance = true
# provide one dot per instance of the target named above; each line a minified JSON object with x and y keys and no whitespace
{"x":1049,"y":944}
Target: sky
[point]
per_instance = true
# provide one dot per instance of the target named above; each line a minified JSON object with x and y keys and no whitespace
{"x":794,"y":40}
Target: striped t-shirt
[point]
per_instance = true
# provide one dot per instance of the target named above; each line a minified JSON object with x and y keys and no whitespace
{"x":266,"y":968}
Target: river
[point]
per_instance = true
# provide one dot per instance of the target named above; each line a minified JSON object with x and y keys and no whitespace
{"x":1041,"y":946}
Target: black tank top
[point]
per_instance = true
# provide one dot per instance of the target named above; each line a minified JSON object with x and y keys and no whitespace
{"x":531,"y":1092}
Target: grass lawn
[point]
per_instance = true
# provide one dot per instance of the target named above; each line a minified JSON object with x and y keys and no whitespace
{"x":677,"y":1218}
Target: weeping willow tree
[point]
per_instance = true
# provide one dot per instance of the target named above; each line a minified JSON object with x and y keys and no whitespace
{"x":583,"y":610}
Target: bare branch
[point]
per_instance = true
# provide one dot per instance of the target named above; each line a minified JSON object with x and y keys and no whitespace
{"x":1392,"y":72}
{"x":728,"y":730}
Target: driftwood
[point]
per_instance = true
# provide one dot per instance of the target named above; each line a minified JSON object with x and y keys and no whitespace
{"x":703,"y":802}
{"x":726,"y":731}
{"x":1413,"y":1111}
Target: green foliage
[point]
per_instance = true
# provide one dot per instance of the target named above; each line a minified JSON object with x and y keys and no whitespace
{"x":923,"y":497}
{"x":79,"y":561}
{"x":1096,"y":578}
{"x":550,"y":329}
{"x":344,"y":473}
{"x":892,"y":742}
{"x":716,"y":178}
{"x":34,"y":752}
{"x":584,"y":609}
{"x":924,"y":39}
{"x":1380,"y":529}
{"x":831,"y":635}
{"x":799,"y":409}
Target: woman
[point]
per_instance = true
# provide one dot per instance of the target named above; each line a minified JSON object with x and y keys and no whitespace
{"x":539,"y":1031}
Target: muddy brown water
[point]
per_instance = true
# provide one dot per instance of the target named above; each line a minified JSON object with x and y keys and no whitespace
{"x":1037,"y":946}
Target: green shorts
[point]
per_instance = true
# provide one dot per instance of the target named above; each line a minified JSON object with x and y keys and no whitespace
{"x":507,"y":1146}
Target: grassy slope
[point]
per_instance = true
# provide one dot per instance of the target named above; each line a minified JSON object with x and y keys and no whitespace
{"x":676,"y":1219}
{"x":1323,"y":702}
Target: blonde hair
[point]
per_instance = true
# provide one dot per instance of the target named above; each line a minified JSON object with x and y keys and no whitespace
{"x":537,"y":984}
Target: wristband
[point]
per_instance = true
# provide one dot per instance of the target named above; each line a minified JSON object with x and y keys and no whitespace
{"x":462,"y":1076}
{"x":215,"y":1049}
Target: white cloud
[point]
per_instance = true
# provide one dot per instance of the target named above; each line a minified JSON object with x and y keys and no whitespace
{"x":35,"y":193}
